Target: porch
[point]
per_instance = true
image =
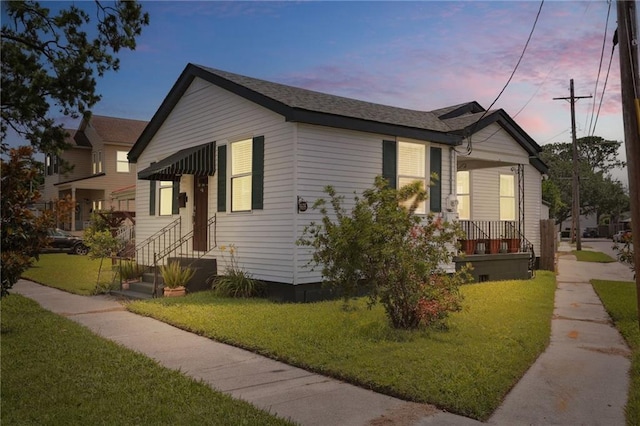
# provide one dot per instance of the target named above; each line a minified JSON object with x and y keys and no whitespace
{"x":497,"y":250}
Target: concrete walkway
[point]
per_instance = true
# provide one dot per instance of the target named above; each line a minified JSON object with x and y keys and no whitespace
{"x":581,"y":379}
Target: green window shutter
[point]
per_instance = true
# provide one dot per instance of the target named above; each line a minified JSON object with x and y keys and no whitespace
{"x":152,"y":196}
{"x":435,"y":198}
{"x":222,"y":178}
{"x":257,"y":174}
{"x":175,"y":208}
{"x":389,"y":162}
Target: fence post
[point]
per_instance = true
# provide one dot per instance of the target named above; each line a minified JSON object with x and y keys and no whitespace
{"x":548,"y":245}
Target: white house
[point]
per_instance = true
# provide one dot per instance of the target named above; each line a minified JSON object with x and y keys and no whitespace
{"x":229,"y":159}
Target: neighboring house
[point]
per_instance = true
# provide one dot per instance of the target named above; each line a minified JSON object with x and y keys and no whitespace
{"x":99,"y":166}
{"x":229,"y":159}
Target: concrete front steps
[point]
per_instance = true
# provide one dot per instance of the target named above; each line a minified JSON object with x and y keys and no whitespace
{"x":204,"y":268}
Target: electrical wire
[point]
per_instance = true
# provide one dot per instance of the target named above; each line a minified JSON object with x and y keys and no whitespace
{"x":593,"y":131}
{"x":595,"y":91}
{"x":469,"y":145}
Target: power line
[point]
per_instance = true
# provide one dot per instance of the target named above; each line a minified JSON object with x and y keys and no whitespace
{"x":604,"y":88}
{"x":595,"y":91}
{"x":469,"y":146}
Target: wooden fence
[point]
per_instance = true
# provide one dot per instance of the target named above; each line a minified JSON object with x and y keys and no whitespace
{"x":548,"y":245}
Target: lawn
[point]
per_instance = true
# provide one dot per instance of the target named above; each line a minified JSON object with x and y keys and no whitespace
{"x":466,"y":369}
{"x":592,"y":256}
{"x":619,"y":299}
{"x":55,"y":371}
{"x":75,"y":274}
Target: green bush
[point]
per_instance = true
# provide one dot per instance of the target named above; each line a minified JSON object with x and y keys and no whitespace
{"x":130,"y":270}
{"x":235,"y":282}
{"x":175,"y":275}
{"x":383,"y":247}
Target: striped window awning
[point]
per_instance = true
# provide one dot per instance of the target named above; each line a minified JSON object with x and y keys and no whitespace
{"x":198,"y":160}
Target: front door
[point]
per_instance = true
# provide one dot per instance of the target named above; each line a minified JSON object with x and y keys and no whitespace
{"x":200,"y":212}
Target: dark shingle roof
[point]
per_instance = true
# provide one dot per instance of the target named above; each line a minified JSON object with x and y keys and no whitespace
{"x":119,"y":130}
{"x":310,"y":100}
{"x":446,"y":125}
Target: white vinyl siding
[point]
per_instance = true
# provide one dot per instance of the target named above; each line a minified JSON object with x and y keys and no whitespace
{"x":264,"y":239}
{"x":241,"y":166}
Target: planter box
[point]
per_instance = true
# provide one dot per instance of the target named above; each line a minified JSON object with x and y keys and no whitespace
{"x":174,"y":292}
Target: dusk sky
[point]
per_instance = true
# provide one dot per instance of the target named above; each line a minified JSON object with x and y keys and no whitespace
{"x":419,"y":55}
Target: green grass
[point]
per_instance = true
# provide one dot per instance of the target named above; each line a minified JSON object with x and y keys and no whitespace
{"x":55,"y":371}
{"x":466,"y":369}
{"x":592,"y":256}
{"x":620,"y":301}
{"x":75,"y":274}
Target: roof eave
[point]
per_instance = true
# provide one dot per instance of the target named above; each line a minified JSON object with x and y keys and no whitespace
{"x":351,"y":123}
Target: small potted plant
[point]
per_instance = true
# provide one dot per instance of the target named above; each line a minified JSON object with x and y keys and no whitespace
{"x":130,"y":272}
{"x":511,"y":239}
{"x":175,"y":279}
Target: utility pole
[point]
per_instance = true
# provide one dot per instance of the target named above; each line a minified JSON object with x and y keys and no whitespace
{"x":575,"y":209}
{"x":630,"y":85}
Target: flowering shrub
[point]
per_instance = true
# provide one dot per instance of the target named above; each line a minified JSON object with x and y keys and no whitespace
{"x":235,"y":282}
{"x":383,"y":247}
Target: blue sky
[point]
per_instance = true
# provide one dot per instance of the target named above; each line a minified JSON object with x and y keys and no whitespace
{"x":420,"y":55}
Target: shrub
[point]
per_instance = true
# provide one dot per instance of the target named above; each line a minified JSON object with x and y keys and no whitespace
{"x":383,"y":247}
{"x":235,"y":282}
{"x":625,"y":252}
{"x":130,"y":270}
{"x":175,"y":275}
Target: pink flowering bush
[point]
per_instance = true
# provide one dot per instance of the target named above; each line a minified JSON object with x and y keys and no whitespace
{"x":385,"y":249}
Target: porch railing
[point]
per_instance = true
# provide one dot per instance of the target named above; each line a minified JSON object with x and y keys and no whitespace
{"x":493,"y":237}
{"x":146,"y":251}
{"x":183,"y":248}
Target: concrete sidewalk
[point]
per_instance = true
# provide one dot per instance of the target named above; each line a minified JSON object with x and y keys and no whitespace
{"x":582,"y":377}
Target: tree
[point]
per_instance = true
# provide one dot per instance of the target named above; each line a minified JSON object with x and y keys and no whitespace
{"x":50,"y":61}
{"x":23,"y":231}
{"x":383,"y":247}
{"x":599,"y":192}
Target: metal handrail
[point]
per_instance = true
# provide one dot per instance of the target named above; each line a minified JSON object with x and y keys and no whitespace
{"x":185,"y":241}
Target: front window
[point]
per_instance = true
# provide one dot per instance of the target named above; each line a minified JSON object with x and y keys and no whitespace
{"x":241,"y":177}
{"x":97,"y":162}
{"x":507,"y":197}
{"x":96,"y":205}
{"x":122,"y":162}
{"x":463,"y":186}
{"x":165,"y":193}
{"x":412,"y":168}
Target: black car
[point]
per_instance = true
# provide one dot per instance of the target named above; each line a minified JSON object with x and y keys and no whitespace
{"x":62,"y":241}
{"x":590,"y":233}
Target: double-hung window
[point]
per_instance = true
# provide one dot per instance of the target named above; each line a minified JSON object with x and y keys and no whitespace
{"x":507,"y":197}
{"x":97,"y":162}
{"x":406,"y":162}
{"x":122,"y":162}
{"x":463,"y":189}
{"x":165,"y":194}
{"x":412,"y":168}
{"x":241,"y":175}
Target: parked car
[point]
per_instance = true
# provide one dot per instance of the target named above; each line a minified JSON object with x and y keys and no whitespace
{"x":590,"y":233}
{"x":620,"y":236}
{"x":62,"y":241}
